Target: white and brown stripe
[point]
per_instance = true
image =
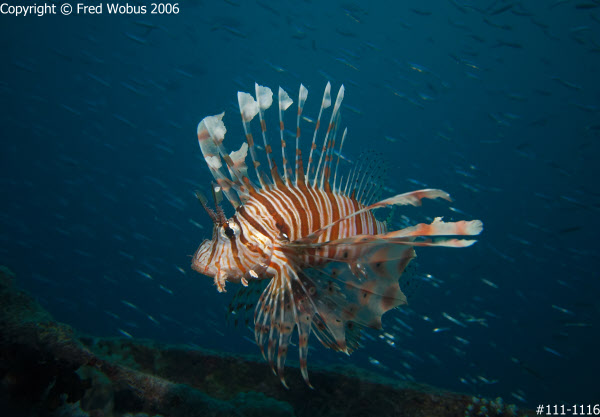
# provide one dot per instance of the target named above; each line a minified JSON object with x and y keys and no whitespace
{"x":297,"y":212}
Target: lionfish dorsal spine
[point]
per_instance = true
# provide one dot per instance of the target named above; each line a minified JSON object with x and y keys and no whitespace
{"x":371,"y":193}
{"x":363,"y":176}
{"x":211,"y":132}
{"x":284,"y":102}
{"x":299,"y":170}
{"x":325,"y":103}
{"x":338,"y":161}
{"x":264,"y":99}
{"x":249,"y":109}
{"x":324,"y":149}
{"x":326,"y":172}
{"x":350,"y":178}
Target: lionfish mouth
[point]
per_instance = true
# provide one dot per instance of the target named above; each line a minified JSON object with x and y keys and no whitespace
{"x":199,"y":260}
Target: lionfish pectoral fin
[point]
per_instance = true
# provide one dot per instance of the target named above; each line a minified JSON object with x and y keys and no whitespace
{"x":283,"y":306}
{"x":348,"y":298}
{"x":358,"y":245}
{"x":352,"y":291}
{"x":412,"y":198}
{"x":363,"y":281}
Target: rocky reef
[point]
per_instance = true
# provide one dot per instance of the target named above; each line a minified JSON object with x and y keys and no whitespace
{"x":47,"y":369}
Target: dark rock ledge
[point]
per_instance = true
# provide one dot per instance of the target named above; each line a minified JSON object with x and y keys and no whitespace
{"x":47,"y":369}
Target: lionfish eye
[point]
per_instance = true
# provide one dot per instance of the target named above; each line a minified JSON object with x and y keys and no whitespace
{"x":229,"y":231}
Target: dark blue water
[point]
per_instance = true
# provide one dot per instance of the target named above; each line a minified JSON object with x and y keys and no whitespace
{"x":497,"y":103}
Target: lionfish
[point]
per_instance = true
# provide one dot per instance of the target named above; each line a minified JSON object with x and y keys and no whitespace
{"x":330,"y":266}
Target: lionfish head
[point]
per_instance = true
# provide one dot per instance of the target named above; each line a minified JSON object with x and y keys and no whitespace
{"x":232,"y":254}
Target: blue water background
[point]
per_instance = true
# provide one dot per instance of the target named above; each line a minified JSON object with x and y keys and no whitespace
{"x":496,"y":102}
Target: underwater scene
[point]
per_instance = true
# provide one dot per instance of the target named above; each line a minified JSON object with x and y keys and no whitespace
{"x":416,"y":179}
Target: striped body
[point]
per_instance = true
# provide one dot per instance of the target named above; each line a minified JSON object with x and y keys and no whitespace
{"x":290,"y":213}
{"x":276,"y":216}
{"x":331,"y":267}
{"x":303,"y":210}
